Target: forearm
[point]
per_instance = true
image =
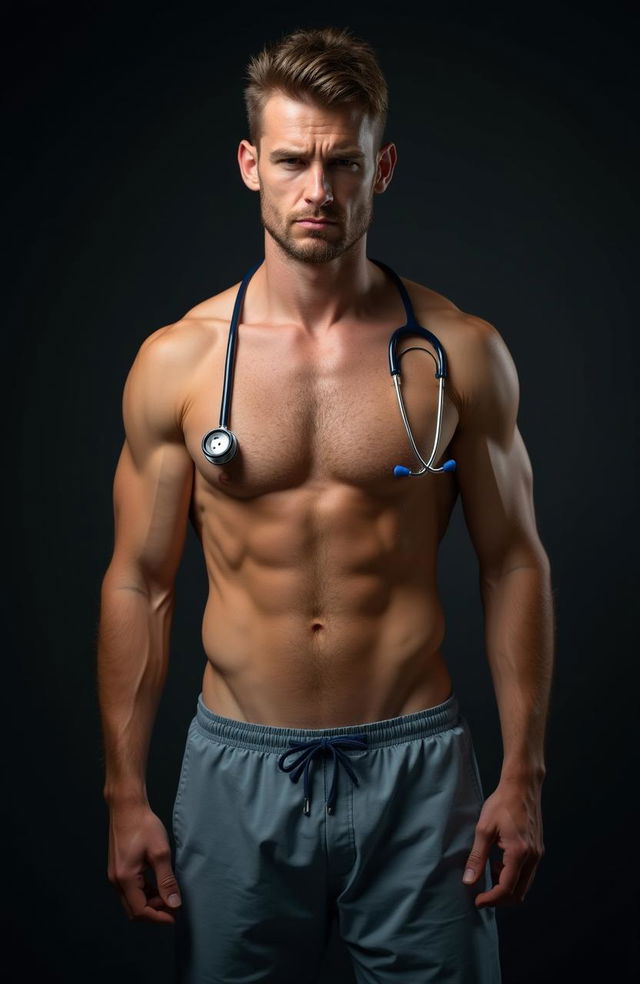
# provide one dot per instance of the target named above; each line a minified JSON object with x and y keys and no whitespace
{"x":133,"y":645}
{"x":519,"y":639}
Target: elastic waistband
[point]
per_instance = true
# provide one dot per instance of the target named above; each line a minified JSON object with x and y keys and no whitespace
{"x":389,"y":731}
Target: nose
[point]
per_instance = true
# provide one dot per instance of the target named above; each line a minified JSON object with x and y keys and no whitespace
{"x":318,"y":191}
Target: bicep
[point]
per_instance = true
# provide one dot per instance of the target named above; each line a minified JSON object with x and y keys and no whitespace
{"x":493,"y":469}
{"x":153,"y":478}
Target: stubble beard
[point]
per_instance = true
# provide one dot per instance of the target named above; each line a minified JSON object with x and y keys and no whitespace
{"x":323,"y":247}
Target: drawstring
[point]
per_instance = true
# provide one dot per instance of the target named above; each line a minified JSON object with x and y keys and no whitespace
{"x":311,"y":750}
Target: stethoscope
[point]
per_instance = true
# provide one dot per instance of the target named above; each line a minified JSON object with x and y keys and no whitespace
{"x":221,"y":444}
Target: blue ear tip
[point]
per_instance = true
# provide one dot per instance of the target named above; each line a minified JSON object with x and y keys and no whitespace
{"x":401,"y":470}
{"x":449,"y":465}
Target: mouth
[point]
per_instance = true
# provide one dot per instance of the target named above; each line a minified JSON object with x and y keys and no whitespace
{"x":315,"y":223}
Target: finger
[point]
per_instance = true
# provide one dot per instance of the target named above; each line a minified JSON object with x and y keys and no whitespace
{"x":509,"y":874}
{"x":477,"y":857}
{"x":156,"y":903}
{"x":136,"y":896}
{"x":153,"y":898}
{"x":165,"y":879}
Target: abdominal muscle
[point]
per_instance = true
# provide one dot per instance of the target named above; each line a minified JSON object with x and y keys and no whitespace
{"x":322,"y":611}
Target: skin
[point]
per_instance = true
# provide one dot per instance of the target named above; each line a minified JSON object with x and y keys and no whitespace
{"x":323,"y":607}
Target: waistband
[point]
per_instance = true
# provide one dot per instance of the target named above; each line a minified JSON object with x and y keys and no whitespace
{"x":388,"y":731}
{"x":312,"y":743}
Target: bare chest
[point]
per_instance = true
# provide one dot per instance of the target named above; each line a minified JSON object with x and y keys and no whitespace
{"x":316,"y":410}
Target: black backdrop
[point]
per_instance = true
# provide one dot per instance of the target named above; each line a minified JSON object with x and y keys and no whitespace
{"x":514,"y":195}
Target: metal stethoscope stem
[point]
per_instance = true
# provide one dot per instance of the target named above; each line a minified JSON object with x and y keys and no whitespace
{"x":448,"y":465}
{"x":413,"y":328}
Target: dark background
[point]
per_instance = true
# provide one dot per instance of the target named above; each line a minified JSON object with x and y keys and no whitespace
{"x":514,"y":195}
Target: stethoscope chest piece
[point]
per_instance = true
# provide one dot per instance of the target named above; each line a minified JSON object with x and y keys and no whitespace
{"x":219,"y":445}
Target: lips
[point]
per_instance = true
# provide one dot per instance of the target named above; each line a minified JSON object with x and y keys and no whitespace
{"x":318,"y":222}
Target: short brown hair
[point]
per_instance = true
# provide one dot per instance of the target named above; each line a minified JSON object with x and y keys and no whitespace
{"x":329,"y":66}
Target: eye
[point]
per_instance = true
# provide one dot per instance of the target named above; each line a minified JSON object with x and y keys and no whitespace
{"x":294,"y":161}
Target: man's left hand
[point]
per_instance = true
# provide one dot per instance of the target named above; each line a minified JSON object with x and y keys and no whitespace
{"x":512,"y":818}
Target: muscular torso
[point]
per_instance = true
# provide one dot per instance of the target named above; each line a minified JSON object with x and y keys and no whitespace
{"x":323,"y":607}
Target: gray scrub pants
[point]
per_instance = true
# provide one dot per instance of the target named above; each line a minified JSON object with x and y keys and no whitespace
{"x":279,"y":830}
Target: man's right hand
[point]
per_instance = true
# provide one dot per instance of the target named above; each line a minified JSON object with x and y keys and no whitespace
{"x":137,"y":842}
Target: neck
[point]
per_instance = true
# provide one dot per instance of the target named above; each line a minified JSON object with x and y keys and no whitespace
{"x":315,"y":296}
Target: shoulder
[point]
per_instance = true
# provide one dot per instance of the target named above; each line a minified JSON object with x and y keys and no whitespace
{"x":175,"y":346}
{"x":482,"y":375}
{"x":161,"y":375}
{"x":465,"y":332}
{"x":428,"y":302}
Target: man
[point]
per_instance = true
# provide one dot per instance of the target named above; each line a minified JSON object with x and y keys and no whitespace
{"x":323,"y":627}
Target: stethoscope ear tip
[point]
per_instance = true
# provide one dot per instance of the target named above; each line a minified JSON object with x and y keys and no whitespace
{"x":400,"y":470}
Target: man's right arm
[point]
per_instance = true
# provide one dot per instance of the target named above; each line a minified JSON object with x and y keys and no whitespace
{"x":151,"y":495}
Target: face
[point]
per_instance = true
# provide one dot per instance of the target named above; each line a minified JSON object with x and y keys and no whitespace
{"x":315,"y":163}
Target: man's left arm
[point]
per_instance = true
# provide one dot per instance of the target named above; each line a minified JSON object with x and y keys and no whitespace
{"x":495,"y":479}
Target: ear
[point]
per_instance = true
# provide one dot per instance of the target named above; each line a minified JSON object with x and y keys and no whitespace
{"x":387,"y":157}
{"x":248,"y":162}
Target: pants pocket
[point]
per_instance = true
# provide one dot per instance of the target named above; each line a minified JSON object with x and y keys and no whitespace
{"x":176,"y":815}
{"x":472,"y":762}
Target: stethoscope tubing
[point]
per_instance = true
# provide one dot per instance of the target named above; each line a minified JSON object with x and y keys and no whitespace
{"x":411,"y":328}
{"x":231,"y":348}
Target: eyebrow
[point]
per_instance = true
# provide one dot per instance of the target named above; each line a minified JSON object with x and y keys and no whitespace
{"x":337,"y":151}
